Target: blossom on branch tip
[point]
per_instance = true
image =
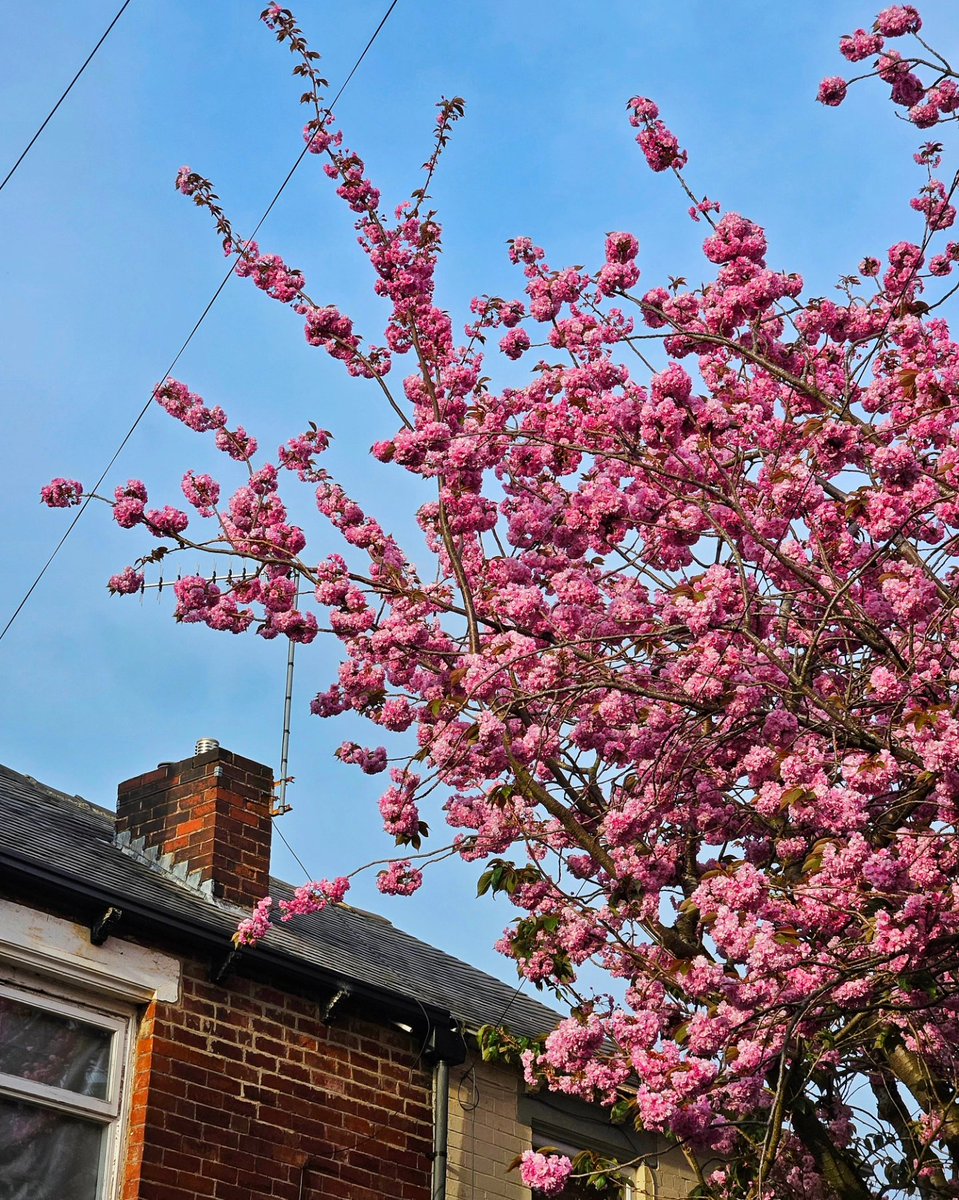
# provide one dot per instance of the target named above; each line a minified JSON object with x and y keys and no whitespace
{"x":255,"y":927}
{"x":186,"y":181}
{"x":181,"y":403}
{"x":128,"y":582}
{"x":62,"y":493}
{"x":898,"y":20}
{"x":832,"y":91}
{"x":546,"y":1173}
{"x":372,"y":762}
{"x":659,"y":144}
{"x":400,"y":879}
{"x":314,"y":897}
{"x":859,"y":45}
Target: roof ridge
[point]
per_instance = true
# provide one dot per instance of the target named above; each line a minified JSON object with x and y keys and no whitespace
{"x":75,"y":799}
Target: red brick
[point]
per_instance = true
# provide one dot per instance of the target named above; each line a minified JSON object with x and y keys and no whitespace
{"x":212,"y":813}
{"x":228,"y":1105}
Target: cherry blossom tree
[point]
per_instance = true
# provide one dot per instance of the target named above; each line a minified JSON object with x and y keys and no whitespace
{"x":679,"y":661}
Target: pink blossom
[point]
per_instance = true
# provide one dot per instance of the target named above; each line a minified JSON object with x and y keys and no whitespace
{"x":187,"y":407}
{"x":546,"y":1173}
{"x":251,"y":929}
{"x":168,"y":521}
{"x":202,"y":491}
{"x":371,"y":762}
{"x":129,"y":503}
{"x":620,"y":271}
{"x":186,"y":181}
{"x":62,"y":493}
{"x":314,"y":897}
{"x":704,"y":207}
{"x":270,"y":274}
{"x":400,"y":879}
{"x":195,"y":595}
{"x":297,"y":626}
{"x":832,"y":91}
{"x":237,"y":443}
{"x":860,"y":45}
{"x":898,"y":20}
{"x":126,"y":583}
{"x":658,"y":144}
{"x":515,"y":343}
{"x":278,"y":595}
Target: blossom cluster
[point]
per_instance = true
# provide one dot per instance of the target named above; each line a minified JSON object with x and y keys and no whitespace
{"x":928,"y":102}
{"x":681,"y":666}
{"x":546,"y":1173}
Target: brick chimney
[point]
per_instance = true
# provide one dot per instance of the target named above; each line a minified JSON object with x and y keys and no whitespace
{"x":210,"y":813}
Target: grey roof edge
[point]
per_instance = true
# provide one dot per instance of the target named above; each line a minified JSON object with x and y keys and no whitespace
{"x":137,"y":849}
{"x":215,"y":940}
{"x":303,"y":950}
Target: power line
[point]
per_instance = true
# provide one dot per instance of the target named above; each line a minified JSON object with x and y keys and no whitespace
{"x":190,"y":336}
{"x":46,"y":121}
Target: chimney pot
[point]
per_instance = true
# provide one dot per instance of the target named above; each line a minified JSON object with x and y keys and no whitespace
{"x":206,"y":744}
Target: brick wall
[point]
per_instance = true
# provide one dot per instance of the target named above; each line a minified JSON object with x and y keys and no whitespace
{"x":671,"y":1179}
{"x":210,"y":812}
{"x":240,"y":1089}
{"x":485,"y":1134}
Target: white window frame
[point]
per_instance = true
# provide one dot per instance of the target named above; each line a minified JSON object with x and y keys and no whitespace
{"x":109,"y":1113}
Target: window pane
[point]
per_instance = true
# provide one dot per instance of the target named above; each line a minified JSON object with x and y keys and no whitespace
{"x":54,"y":1049}
{"x":46,"y":1155}
{"x":576,"y":1189}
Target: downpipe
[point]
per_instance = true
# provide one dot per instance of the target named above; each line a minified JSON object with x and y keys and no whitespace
{"x":441,"y":1121}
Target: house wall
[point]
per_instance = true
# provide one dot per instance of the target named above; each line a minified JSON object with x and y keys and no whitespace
{"x":671,"y":1179}
{"x":240,"y":1090}
{"x":485,"y":1133}
{"x":490,"y":1124}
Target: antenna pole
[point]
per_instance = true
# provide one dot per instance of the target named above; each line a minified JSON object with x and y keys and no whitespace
{"x":287,"y":710}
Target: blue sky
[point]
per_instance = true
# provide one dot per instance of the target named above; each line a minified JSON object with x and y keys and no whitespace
{"x":105,"y":268}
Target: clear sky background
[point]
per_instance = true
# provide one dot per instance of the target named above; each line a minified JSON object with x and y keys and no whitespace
{"x":105,"y":268}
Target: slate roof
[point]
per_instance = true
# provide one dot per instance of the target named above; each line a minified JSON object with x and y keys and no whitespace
{"x":66,"y":844}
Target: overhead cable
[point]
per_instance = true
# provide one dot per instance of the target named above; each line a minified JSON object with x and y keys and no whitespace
{"x":66,"y":92}
{"x":189,"y":338}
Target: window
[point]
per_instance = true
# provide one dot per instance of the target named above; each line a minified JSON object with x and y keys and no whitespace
{"x":660,"y":1170}
{"x":62,"y":1066}
{"x":580,"y":1189}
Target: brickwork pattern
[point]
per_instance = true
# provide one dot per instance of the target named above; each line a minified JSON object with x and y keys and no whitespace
{"x":242,"y":1094}
{"x":484,"y":1139}
{"x":671,"y":1178}
{"x":211,"y":812}
{"x":486,"y":1134}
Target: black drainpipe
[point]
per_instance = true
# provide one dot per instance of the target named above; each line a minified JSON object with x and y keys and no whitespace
{"x":444,"y":1048}
{"x":441,"y":1124}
